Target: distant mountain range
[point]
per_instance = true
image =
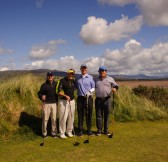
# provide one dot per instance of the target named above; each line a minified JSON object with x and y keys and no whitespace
{"x":62,"y":74}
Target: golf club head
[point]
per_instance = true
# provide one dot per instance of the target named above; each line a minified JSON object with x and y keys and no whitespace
{"x":41,"y":144}
{"x":86,"y":141}
{"x":110,"y":136}
{"x":76,"y":144}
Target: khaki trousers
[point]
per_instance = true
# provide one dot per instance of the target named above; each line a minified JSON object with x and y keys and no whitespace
{"x":47,"y":110}
{"x":66,"y":116}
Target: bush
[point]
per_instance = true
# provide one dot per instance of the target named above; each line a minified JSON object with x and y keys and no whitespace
{"x":130,"y":107}
{"x":156,"y":94}
{"x":18,"y":94}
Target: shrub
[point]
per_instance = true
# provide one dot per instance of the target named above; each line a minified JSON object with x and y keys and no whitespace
{"x":157,"y":95}
{"x":130,"y":107}
{"x":18,"y":94}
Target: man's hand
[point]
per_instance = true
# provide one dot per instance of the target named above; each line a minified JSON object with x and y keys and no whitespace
{"x":68,"y":98}
{"x":43,"y":97}
{"x":88,"y":94}
{"x":114,"y":90}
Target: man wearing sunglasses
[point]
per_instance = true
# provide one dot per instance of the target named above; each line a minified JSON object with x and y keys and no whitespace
{"x":50,"y":99}
{"x":65,"y":89}
{"x":105,"y":86}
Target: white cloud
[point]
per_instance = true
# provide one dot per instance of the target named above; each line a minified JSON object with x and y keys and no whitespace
{"x":55,"y":42}
{"x":4,"y":69}
{"x":116,"y":2}
{"x":39,"y":3}
{"x":40,"y":52}
{"x":132,"y":59}
{"x":67,"y":62}
{"x":155,"y":12}
{"x":98,"y":31}
{"x":63,"y":64}
{"x":5,"y":51}
{"x":93,"y":63}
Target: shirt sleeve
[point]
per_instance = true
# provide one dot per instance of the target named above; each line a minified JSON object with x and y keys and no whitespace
{"x":41,"y":92}
{"x":113,"y":83}
{"x":59,"y":87}
{"x":92,"y":86}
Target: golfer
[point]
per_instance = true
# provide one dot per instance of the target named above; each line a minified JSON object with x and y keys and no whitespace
{"x":65,"y":89}
{"x":105,"y":86}
{"x":49,"y":97}
{"x":86,"y":86}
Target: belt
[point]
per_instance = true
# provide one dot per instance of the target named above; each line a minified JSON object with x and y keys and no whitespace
{"x":103,"y":98}
{"x":85,"y":96}
{"x":66,"y":99}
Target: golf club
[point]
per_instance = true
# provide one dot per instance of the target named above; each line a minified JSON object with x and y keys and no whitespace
{"x":87,"y":114}
{"x":111,"y":135}
{"x":42,"y":144}
{"x":75,"y":143}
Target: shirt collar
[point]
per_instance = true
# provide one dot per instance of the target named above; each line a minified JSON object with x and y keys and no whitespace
{"x":103,"y":78}
{"x":84,"y":76}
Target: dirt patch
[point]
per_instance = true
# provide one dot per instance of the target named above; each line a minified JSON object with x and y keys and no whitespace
{"x":136,"y":83}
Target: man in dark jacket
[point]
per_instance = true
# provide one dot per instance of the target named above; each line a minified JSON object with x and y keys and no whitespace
{"x":49,"y":97}
{"x":65,"y":88}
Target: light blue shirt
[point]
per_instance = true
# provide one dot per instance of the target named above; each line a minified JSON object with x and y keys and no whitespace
{"x":84,"y":84}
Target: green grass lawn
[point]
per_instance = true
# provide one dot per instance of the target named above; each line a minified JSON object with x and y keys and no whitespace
{"x":133,"y":141}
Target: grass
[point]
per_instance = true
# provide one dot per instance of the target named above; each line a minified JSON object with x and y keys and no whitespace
{"x":20,"y":105}
{"x":130,"y":107}
{"x":132,"y":141}
{"x":20,"y":128}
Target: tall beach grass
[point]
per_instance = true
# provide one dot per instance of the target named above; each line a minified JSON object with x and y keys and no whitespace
{"x":19,"y":94}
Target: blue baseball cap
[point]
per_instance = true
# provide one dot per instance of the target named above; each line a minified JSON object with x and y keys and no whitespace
{"x":102,"y":68}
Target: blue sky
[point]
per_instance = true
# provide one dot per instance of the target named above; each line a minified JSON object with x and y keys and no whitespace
{"x":127,"y":36}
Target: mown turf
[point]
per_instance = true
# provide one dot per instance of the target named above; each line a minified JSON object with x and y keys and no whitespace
{"x":139,"y":141}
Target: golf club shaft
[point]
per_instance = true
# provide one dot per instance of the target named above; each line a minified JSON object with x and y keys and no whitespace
{"x":42,"y":144}
{"x":73,"y":123}
{"x":87,"y":113}
{"x":113,"y":120}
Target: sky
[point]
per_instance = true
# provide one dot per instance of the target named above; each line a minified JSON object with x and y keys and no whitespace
{"x":129,"y":37}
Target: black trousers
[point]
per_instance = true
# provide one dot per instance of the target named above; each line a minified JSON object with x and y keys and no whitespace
{"x":102,"y":111}
{"x":84,"y":111}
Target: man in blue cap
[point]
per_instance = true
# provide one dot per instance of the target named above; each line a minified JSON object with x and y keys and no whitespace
{"x":105,"y":86}
{"x":86,"y":86}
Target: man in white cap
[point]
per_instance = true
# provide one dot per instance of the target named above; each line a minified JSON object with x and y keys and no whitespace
{"x":50,"y":99}
{"x":105,"y":86}
{"x":65,"y":89}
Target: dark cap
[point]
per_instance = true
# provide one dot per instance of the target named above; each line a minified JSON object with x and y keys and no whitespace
{"x":102,"y":68}
{"x":83,"y":65}
{"x":50,"y":74}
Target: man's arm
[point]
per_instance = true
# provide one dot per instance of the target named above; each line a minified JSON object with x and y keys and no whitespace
{"x":114,"y":85}
{"x":60,"y":91}
{"x":41,"y":93}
